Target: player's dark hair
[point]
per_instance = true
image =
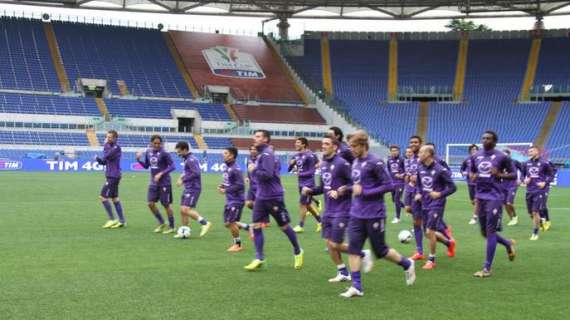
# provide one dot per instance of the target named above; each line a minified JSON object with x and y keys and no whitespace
{"x":473,"y":146}
{"x":265,"y":134}
{"x":417,"y":137}
{"x":394,"y":147}
{"x":534,"y":147}
{"x":507,"y":151}
{"x":252,"y":146}
{"x":114,"y":133}
{"x":233,"y":151}
{"x":182,"y":145}
{"x":337,"y":133}
{"x":494,"y":134}
{"x":303,"y":140}
{"x":333,"y":139}
{"x":154,"y":137}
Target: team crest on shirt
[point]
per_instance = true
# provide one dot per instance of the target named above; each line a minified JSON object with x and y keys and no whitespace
{"x":533,"y":171}
{"x":356,"y":176}
{"x":327,"y":178}
{"x":427,"y":183}
{"x":485,"y":167}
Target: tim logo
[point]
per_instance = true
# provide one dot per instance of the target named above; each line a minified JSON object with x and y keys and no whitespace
{"x":232,"y":63}
{"x":10,"y":165}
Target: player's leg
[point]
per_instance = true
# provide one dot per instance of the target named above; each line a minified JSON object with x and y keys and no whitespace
{"x":281,"y":216}
{"x":259,"y":216}
{"x":153,"y":196}
{"x":417,"y":213}
{"x":315,"y":213}
{"x":104,"y":198}
{"x":166,"y":202}
{"x":375,"y":228}
{"x":545,"y":215}
{"x":433,"y":222}
{"x":232,"y":215}
{"x":190,"y":200}
{"x":119,"y":209}
{"x":300,"y":228}
{"x":397,"y":200}
{"x":334,"y":230}
{"x":356,"y":238}
{"x":510,"y":208}
{"x":471,"y":189}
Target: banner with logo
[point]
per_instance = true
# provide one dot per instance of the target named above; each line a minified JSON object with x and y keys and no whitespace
{"x":232,"y":63}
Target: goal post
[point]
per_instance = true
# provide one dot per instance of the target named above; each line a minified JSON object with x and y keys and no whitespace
{"x":455,"y":153}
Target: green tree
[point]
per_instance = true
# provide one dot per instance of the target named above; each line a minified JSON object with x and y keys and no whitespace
{"x":465,"y":25}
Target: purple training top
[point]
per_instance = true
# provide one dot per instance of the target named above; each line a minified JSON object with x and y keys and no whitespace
{"x":158,"y":161}
{"x":335,"y":173}
{"x":345,"y":153}
{"x":397,"y":166}
{"x":233,"y":183}
{"x":436,"y":178}
{"x":266,"y":174}
{"x":488,"y":185}
{"x":538,"y":170}
{"x":305,"y":162}
{"x":370,"y":172}
{"x":192,"y":177}
{"x":411,"y":167}
{"x":111,"y":159}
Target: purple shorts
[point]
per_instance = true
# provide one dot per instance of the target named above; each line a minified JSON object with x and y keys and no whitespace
{"x":433,"y":219}
{"x":303,"y":199}
{"x":408,"y":198}
{"x":510,"y":195}
{"x":535,"y":202}
{"x":361,"y":229}
{"x":334,"y":228}
{"x":472,"y":190}
{"x":162,"y":193}
{"x":490,"y":213}
{"x":262,"y":209}
{"x":232,"y":213}
{"x":110,"y":188}
{"x":189,"y":198}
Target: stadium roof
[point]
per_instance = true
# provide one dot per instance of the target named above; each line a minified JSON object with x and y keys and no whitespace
{"x":324,"y":9}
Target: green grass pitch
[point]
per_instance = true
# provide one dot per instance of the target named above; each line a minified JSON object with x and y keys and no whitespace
{"x":57,"y":263}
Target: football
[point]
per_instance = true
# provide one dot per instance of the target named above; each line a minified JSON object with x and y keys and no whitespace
{"x":184,"y":232}
{"x":405,"y":236}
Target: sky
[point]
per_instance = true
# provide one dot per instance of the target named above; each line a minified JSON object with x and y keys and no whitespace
{"x":251,"y":26}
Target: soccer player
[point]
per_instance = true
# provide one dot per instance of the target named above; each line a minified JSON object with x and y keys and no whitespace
{"x":488,"y":167}
{"x":160,"y":188}
{"x":544,"y":214}
{"x":511,"y":187}
{"x":192,"y":181}
{"x":465,"y":171}
{"x":397,"y":172}
{"x":411,"y":164}
{"x":233,"y":188}
{"x":537,"y":174}
{"x":434,"y":186}
{"x":112,"y":160}
{"x":336,"y":174}
{"x":368,"y":213}
{"x":250,"y":198}
{"x":269,"y":200}
{"x":304,"y":161}
{"x":344,"y":150}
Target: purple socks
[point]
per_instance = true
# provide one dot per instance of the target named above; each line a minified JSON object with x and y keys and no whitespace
{"x":418,"y":234}
{"x":119,"y":209}
{"x":258,"y":242}
{"x":108,"y":209}
{"x":293,"y":239}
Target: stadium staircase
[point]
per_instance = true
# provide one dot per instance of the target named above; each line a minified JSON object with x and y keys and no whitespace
{"x":548,"y":125}
{"x":232,"y":113}
{"x":103,"y":108}
{"x":180,"y":65}
{"x":532,"y":64}
{"x":326,"y":65}
{"x":423,"y":118}
{"x":393,"y":68}
{"x":56,"y":57}
{"x":92,"y":138}
{"x":123,"y":89}
{"x":461,"y":68}
{"x":202,"y":145}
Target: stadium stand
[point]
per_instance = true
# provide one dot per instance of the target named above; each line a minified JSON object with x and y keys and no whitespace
{"x":43,"y":138}
{"x":42,"y":104}
{"x":24,"y":56}
{"x":559,"y":142}
{"x":276,"y":114}
{"x":160,"y":109}
{"x":139,"y":57}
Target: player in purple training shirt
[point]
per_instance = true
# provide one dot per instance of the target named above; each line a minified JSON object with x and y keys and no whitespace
{"x":544,"y":214}
{"x":488,"y":167}
{"x":192,"y":181}
{"x":465,"y":171}
{"x":160,"y":188}
{"x":250,"y":197}
{"x":434,"y":186}
{"x":304,"y":164}
{"x":233,"y":187}
{"x":397,"y":169}
{"x":368,"y":213}
{"x":411,"y":164}
{"x":537,"y":174}
{"x":336,"y":178}
{"x":511,"y":187}
{"x":112,"y":161}
{"x":269,"y":200}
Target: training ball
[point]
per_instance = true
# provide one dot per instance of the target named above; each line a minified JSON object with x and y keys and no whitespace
{"x":405,"y":236}
{"x":184,"y":232}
